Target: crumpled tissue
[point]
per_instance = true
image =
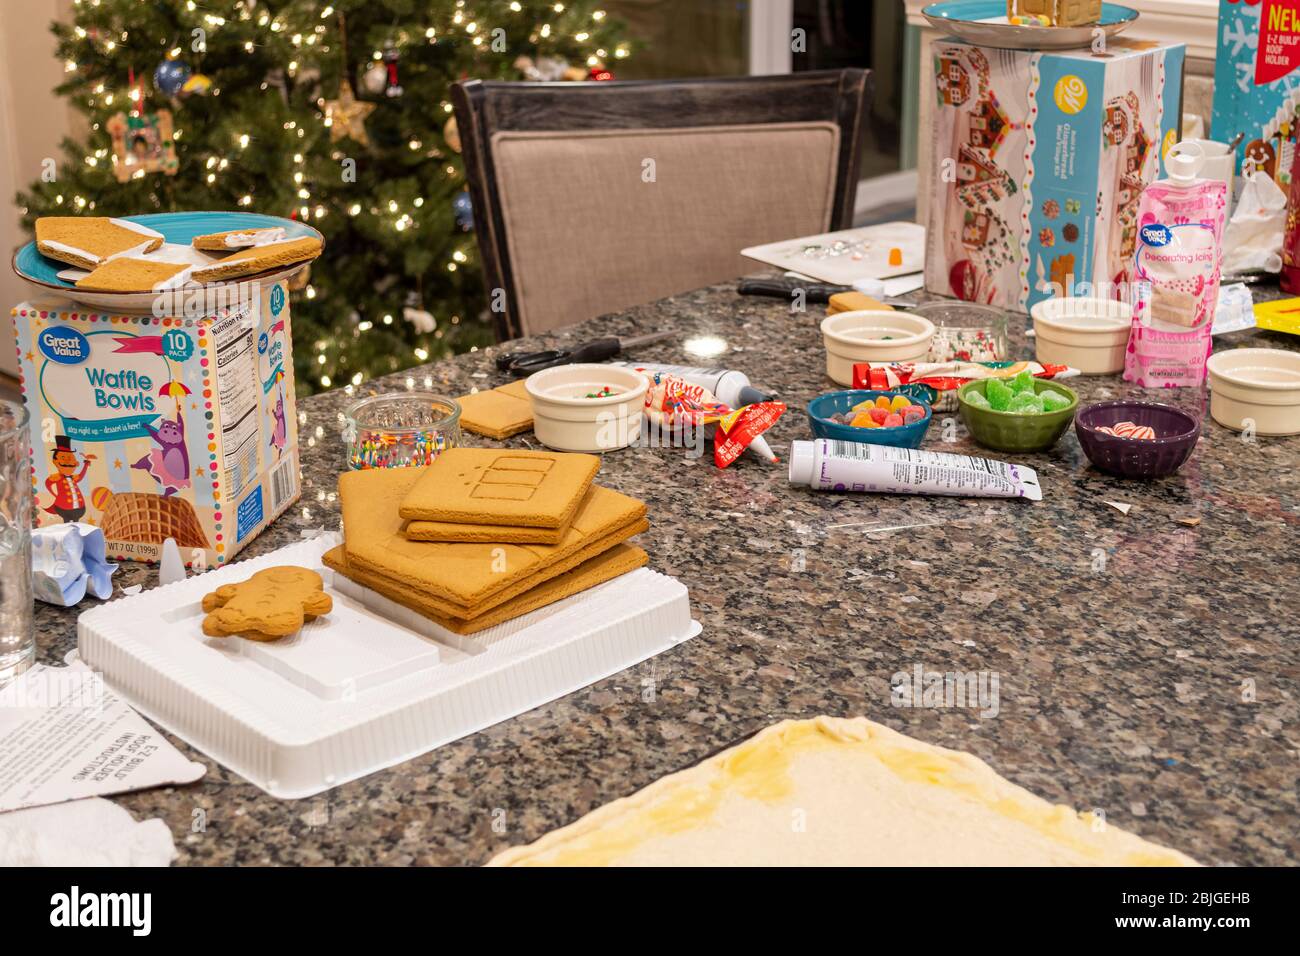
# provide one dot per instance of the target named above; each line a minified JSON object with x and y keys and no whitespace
{"x":68,"y":561}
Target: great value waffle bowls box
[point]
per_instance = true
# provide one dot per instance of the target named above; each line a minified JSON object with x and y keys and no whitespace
{"x":162,"y":427}
{"x":1037,"y":163}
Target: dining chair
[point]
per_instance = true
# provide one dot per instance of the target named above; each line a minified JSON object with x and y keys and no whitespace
{"x":592,"y":197}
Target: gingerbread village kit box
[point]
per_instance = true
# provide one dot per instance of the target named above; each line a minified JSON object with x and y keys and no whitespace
{"x":155,"y":427}
{"x":1038,"y":161}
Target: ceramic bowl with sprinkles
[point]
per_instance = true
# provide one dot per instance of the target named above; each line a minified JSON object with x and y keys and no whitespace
{"x":587,"y":407}
{"x":400,"y":430}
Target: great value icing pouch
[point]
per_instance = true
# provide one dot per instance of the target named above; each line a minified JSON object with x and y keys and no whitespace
{"x":1176,"y":276}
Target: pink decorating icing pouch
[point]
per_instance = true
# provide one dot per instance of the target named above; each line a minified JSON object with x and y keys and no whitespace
{"x":1176,"y":276}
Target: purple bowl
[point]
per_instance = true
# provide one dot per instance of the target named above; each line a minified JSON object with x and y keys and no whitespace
{"x":1176,"y":429}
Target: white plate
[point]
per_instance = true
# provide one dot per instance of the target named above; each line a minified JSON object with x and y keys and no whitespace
{"x":369,"y":685}
{"x":868,"y":258}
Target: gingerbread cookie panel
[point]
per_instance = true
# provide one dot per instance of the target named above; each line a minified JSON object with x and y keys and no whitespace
{"x":90,"y":241}
{"x":257,"y":259}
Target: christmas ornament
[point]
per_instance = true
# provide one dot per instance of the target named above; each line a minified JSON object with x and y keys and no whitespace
{"x":600,"y":73}
{"x":391,"y":58}
{"x":346,"y":115}
{"x":197,"y":83}
{"x":451,"y":133}
{"x":170,"y":75}
{"x":375,"y":79}
{"x":423,"y":321}
{"x":462,"y":207}
{"x":545,"y":69}
{"x":142,"y":143}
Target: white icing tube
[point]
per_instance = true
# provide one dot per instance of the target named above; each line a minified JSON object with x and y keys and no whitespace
{"x":829,"y":465}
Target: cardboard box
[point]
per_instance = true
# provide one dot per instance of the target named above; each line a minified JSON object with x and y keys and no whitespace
{"x":1038,"y":160}
{"x":155,"y":427}
{"x":1257,"y":85}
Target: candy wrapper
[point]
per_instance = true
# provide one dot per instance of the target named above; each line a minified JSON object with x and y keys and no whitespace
{"x":942,"y":379}
{"x":673,"y":404}
{"x":68,"y":561}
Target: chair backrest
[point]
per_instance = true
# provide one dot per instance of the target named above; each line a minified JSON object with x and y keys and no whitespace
{"x":592,"y":197}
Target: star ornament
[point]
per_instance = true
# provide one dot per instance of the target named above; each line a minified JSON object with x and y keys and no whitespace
{"x":346,"y":116}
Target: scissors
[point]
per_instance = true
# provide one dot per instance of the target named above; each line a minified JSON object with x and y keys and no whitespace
{"x":521,"y":364}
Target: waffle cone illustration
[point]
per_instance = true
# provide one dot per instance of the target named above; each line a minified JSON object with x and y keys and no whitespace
{"x":133,"y":516}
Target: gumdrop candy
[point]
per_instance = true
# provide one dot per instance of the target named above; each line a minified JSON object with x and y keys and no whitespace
{"x":878,"y":414}
{"x":975,"y":398}
{"x":883,"y":401}
{"x":863,"y":420}
{"x":999,"y":395}
{"x":899,"y":403}
{"x":1026,"y":402}
{"x":894,"y":420}
{"x":863,"y":405}
{"x":1023,"y":382}
{"x":913,"y":413}
{"x":1054,"y":401}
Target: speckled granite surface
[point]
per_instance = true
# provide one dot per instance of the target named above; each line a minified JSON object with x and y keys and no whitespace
{"x":1146,"y":668}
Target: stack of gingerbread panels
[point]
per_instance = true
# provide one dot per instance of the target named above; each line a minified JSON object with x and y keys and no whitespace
{"x":482,"y":536}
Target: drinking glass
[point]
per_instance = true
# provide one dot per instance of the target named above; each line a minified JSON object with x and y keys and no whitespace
{"x":17,"y":641}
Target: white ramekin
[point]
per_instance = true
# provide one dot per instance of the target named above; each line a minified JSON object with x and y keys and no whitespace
{"x":869,"y":335}
{"x":566,"y":421}
{"x":1084,"y":333}
{"x":1256,"y":385}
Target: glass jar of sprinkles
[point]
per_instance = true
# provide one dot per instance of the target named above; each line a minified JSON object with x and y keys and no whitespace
{"x":401,"y":430}
{"x":965,"y":332}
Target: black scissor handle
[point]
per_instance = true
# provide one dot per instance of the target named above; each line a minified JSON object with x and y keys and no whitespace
{"x":526,"y":363}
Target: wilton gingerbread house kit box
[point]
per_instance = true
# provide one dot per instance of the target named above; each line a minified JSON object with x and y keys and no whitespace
{"x":1037,"y":164}
{"x":162,"y":427}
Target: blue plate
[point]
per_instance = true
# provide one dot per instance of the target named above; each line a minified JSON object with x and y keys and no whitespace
{"x":977,"y":21}
{"x":177,"y":227}
{"x":821,"y":408}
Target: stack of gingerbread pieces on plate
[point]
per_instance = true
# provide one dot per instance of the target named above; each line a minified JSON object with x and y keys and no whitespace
{"x":483,"y":536}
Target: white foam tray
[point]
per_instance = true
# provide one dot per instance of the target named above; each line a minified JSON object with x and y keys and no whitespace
{"x":369,"y":685}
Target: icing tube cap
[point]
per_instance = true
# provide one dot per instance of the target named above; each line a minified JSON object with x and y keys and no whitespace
{"x":1183,"y":162}
{"x":802,"y":462}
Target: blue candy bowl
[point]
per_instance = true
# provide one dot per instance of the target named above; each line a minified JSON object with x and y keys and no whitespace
{"x":821,"y":408}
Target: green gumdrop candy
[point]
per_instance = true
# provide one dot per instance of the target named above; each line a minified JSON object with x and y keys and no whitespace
{"x":1026,"y":402}
{"x":1023,"y":382}
{"x":998,"y":394}
{"x":975,"y":398}
{"x":1053,"y":401}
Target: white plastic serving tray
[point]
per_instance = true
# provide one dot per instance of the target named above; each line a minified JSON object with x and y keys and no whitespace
{"x":369,"y":685}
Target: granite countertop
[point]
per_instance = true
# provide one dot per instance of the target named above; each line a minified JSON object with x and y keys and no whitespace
{"x":1147,"y":667}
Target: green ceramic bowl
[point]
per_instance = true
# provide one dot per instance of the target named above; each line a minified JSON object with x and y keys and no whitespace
{"x":1017,"y":431}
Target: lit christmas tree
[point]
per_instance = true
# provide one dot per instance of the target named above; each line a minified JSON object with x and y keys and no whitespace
{"x":334,"y":113}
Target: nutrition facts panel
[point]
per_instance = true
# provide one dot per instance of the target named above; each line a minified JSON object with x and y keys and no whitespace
{"x":237,"y":390}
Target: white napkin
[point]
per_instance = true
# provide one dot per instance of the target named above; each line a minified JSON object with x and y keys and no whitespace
{"x":90,"y":832}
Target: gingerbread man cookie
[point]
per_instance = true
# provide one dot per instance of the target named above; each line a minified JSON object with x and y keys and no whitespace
{"x":273,"y":603}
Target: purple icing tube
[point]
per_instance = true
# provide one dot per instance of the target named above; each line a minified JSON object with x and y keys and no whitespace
{"x":829,"y":465}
